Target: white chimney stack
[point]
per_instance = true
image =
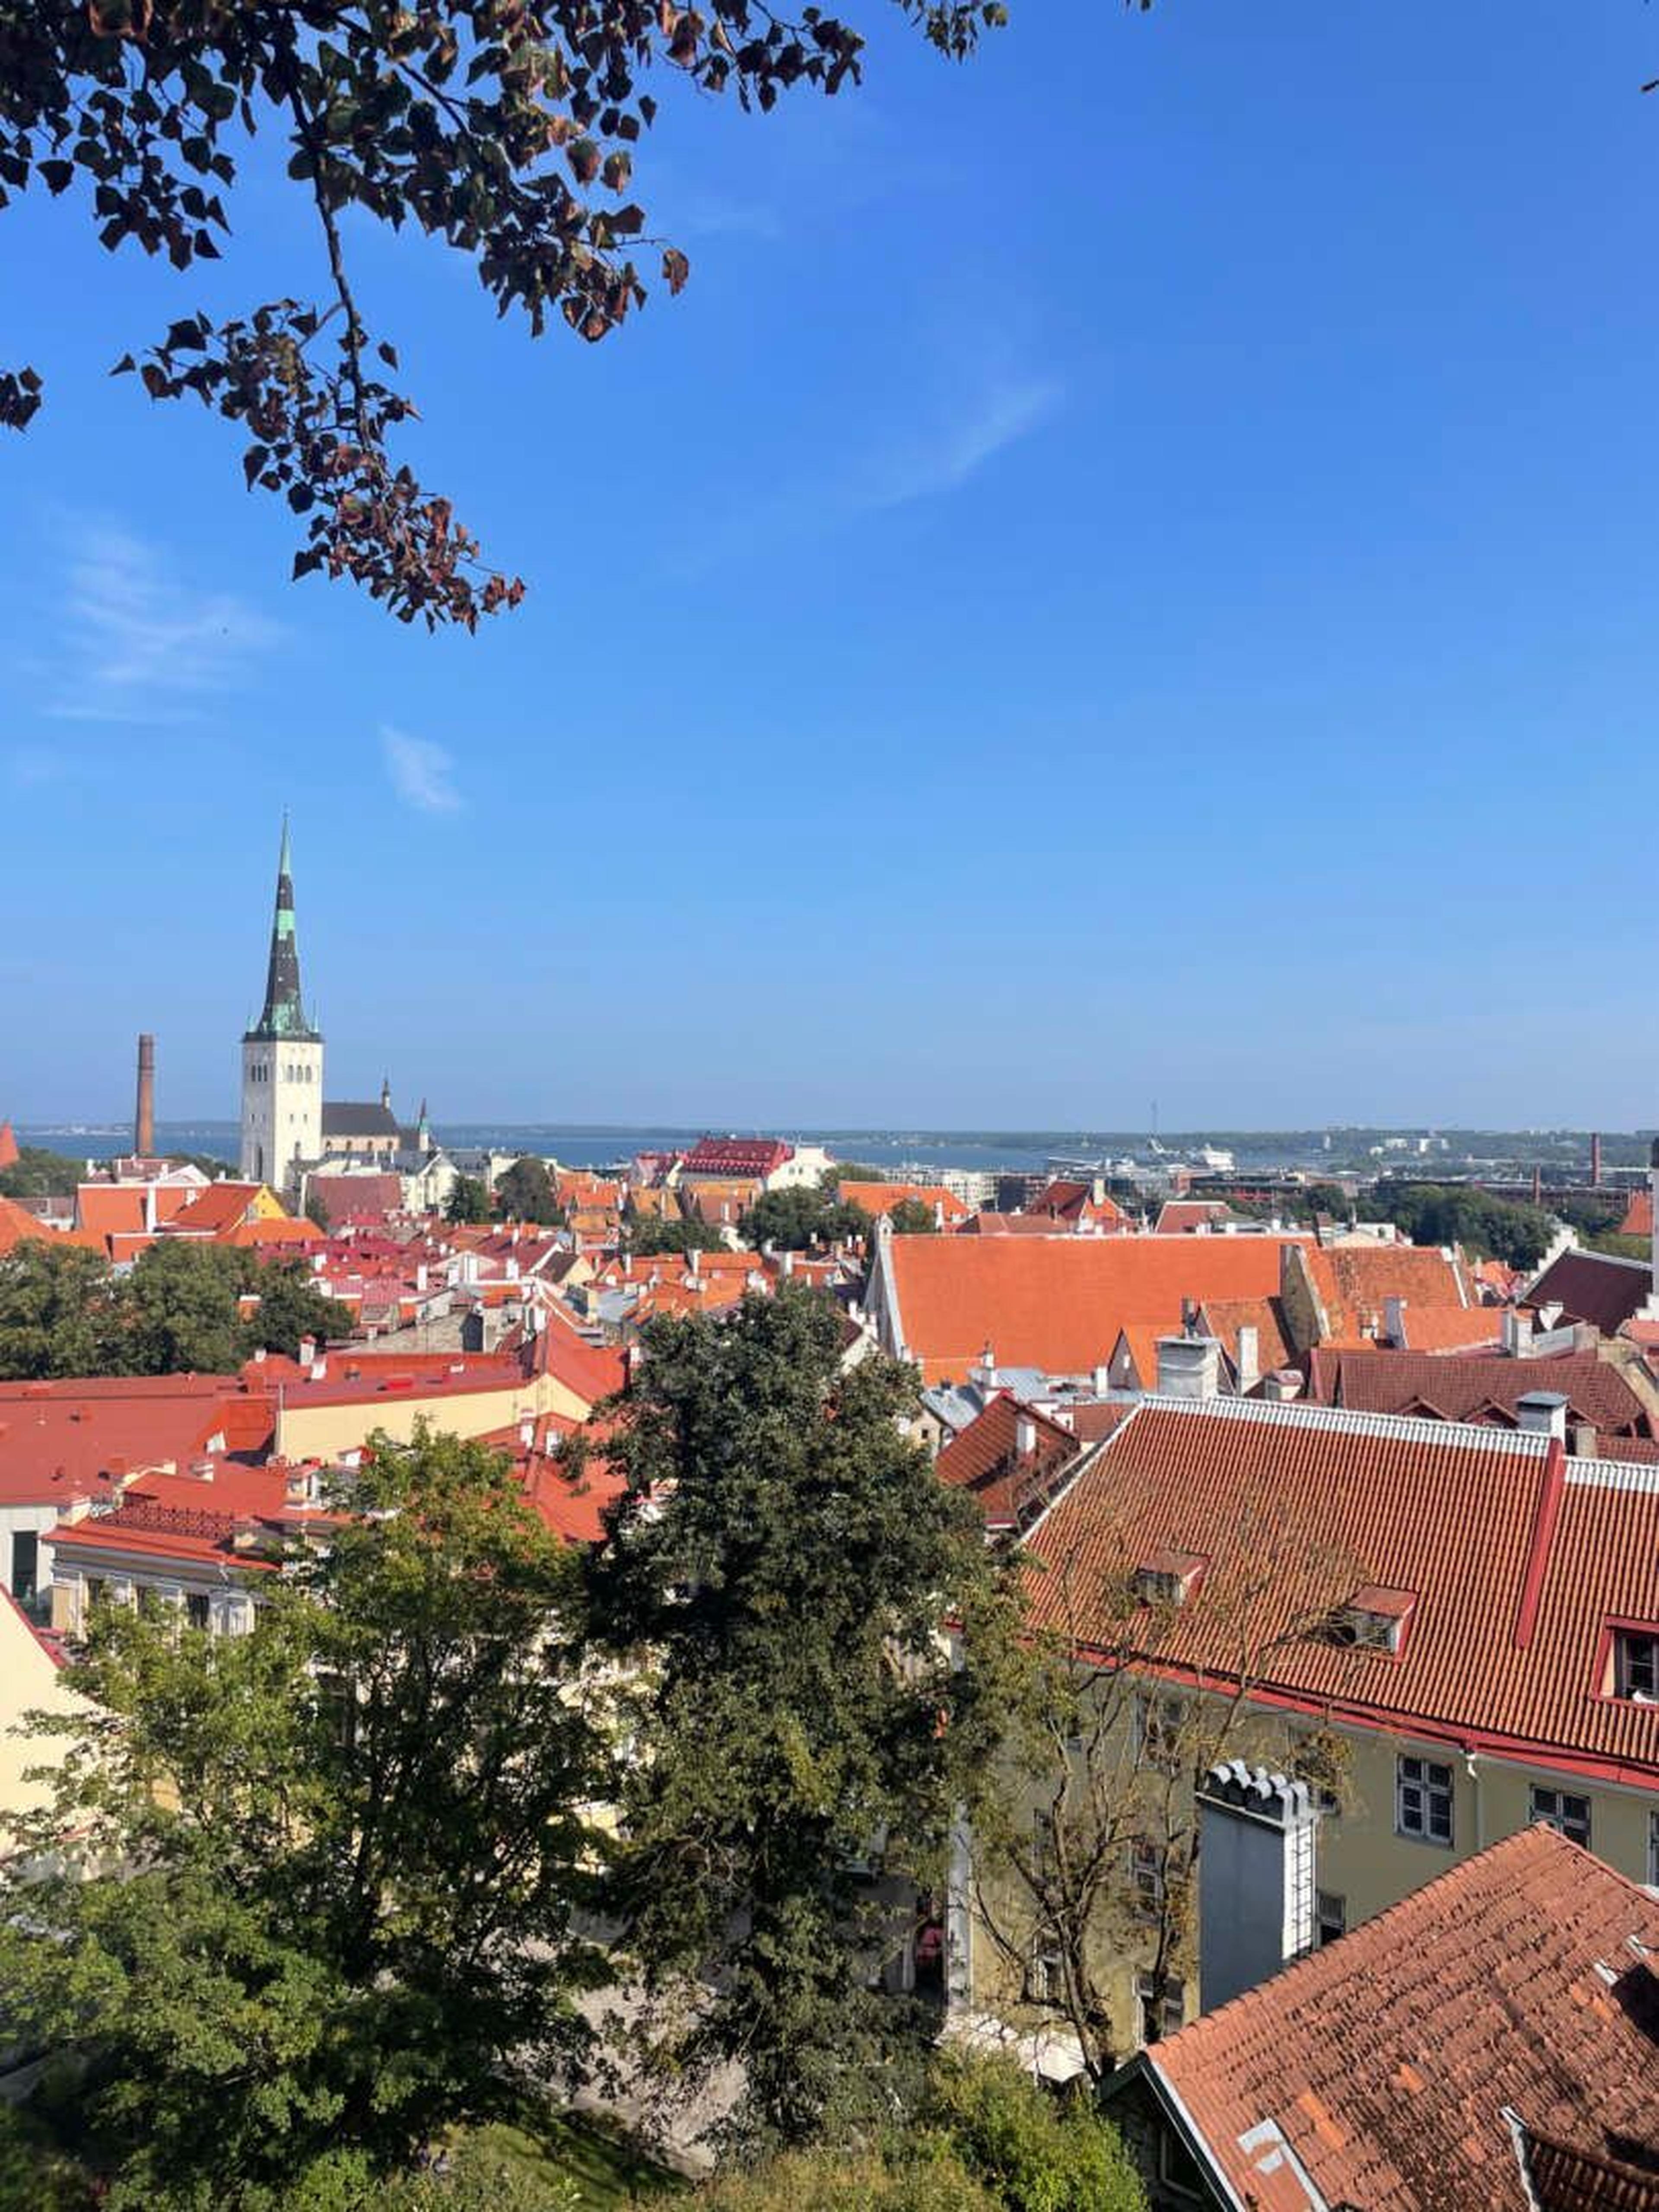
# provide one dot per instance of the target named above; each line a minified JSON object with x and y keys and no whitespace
{"x":1256,"y":1877}
{"x":1249,"y":1361}
{"x":1188,"y":1367}
{"x":1543,"y":1413}
{"x":1517,"y":1332}
{"x":1024,"y":1436}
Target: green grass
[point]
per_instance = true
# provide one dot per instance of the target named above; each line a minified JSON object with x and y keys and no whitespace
{"x":610,"y":2171}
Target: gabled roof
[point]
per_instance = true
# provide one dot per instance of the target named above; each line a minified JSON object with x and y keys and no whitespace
{"x":1182,"y":1217}
{"x":878,"y":1198}
{"x":1593,"y":1286}
{"x":1009,"y":1460}
{"x":220,"y":1207}
{"x":351,"y":1117}
{"x":1068,"y":1200}
{"x":356,"y":1197}
{"x":1388,"y":2063}
{"x":737,"y":1156}
{"x":1356,"y":1281}
{"x":1519,"y":1558}
{"x":1637,"y":1221}
{"x":8,"y":1146}
{"x":1058,"y":1303}
{"x":1477,"y":1387}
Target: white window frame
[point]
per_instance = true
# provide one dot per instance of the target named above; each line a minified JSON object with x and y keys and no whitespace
{"x":1551,"y":1806}
{"x":1146,"y":1878}
{"x":1427,"y":1781}
{"x":1174,"y":2005}
{"x":1636,"y":1675}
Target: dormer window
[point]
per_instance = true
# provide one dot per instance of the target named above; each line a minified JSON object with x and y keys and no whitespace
{"x":1636,"y":1665}
{"x":1374,"y":1619}
{"x":1167,"y":1577}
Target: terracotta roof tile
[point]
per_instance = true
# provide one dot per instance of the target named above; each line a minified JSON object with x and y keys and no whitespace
{"x":1639,"y":1214}
{"x":1385,"y":2061}
{"x":1519,"y":1558}
{"x":880,"y":1198}
{"x":1476,"y":1387}
{"x":1009,"y":1483}
{"x":1057,"y":1302}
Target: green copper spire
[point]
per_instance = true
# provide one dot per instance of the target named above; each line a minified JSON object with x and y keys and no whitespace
{"x":284,"y":1015}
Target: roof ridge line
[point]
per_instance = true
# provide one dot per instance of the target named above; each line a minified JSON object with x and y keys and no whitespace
{"x":1412,"y":1428}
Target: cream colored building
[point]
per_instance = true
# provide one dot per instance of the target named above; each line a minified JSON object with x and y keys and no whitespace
{"x":1483,"y":1655}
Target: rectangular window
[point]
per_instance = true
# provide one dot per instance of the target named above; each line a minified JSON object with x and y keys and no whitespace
{"x":1423,"y":1799}
{"x":1636,"y":1664}
{"x":1158,"y":1723}
{"x":1146,"y":1873}
{"x":1045,"y":1979}
{"x":1159,"y":2018}
{"x":1561,"y":1809}
{"x":1330,"y":1916}
{"x":198,"y":1611}
{"x":25,"y":1564}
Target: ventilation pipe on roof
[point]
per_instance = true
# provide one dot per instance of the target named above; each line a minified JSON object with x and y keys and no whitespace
{"x":1102,"y":1380}
{"x":1024,"y":1436}
{"x":1188,"y":1367}
{"x":1583,"y":1440}
{"x":1256,"y":1877}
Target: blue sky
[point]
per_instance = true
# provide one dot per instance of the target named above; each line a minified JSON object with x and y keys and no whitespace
{"x":1129,"y":574}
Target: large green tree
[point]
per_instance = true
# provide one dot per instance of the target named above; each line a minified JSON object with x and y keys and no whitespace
{"x":504,"y":129}
{"x":468,"y":1200}
{"x":798,"y":1218}
{"x":327,"y":1871}
{"x":526,"y":1193}
{"x":777,"y":1577}
{"x":36,"y":1173}
{"x":648,"y":1233}
{"x":56,"y":1311}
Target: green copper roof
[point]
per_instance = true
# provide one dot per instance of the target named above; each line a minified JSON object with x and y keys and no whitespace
{"x":284,"y":1014}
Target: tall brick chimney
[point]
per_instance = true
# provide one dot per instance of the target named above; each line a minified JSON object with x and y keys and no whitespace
{"x":143,"y":1119}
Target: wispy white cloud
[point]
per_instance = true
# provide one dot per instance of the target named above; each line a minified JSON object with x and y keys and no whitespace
{"x":421,"y":773}
{"x":929,"y":462}
{"x":944,"y":458}
{"x":142,"y":643}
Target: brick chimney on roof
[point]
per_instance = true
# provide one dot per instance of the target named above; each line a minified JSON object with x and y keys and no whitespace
{"x":143,"y":1119}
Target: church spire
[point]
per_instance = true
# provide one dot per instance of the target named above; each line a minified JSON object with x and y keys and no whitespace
{"x":284,"y":1014}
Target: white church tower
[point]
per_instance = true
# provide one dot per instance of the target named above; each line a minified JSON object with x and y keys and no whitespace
{"x":282,"y":1059}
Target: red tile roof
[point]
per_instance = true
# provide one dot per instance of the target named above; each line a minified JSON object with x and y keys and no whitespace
{"x":60,"y":1438}
{"x":989,"y":1223}
{"x":1009,"y":1483}
{"x":220,"y":1207}
{"x":1385,"y":2061}
{"x":1520,"y":1560}
{"x":880,"y":1198}
{"x":1639,"y":1214}
{"x":1224,"y":1317}
{"x":1477,"y":1387}
{"x":1356,"y":1281}
{"x":1593,"y":1286}
{"x":1058,"y":1303}
{"x":8,"y":1146}
{"x":1182,"y":1217}
{"x":18,"y":1226}
{"x":1076,"y":1201}
{"x":363,"y":1198}
{"x":572,"y":1507}
{"x":737,"y":1156}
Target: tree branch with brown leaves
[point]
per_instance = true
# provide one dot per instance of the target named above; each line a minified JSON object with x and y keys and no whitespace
{"x":503,"y":129}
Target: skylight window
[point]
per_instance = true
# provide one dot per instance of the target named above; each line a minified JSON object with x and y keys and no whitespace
{"x":1636,"y":1665}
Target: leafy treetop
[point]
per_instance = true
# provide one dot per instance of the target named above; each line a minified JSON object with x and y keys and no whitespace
{"x":506,"y":129}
